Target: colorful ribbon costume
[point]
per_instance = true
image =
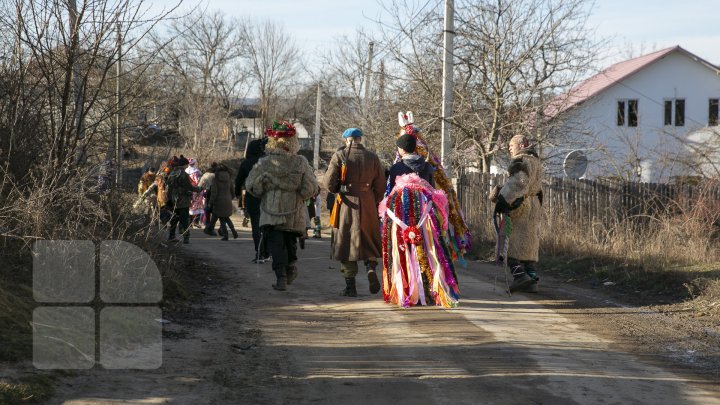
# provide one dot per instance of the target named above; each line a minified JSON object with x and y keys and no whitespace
{"x":417,"y":261}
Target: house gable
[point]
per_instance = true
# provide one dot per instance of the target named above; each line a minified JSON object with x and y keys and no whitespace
{"x":660,"y":85}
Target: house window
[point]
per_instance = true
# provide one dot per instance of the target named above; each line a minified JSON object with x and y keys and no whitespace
{"x":679,"y":113}
{"x":713,"y":112}
{"x":674,"y":112}
{"x":621,"y":113}
{"x":627,"y":116}
{"x":632,"y":113}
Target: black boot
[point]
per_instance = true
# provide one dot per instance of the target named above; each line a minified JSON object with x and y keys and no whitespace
{"x":373,"y":281}
{"x":349,"y":290}
{"x":291,"y":273}
{"x":521,"y":280}
{"x":280,"y":284}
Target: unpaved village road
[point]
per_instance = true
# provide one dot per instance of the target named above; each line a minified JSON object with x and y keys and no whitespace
{"x":249,"y":344}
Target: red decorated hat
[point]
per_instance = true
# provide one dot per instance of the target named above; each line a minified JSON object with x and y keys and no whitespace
{"x":281,"y":129}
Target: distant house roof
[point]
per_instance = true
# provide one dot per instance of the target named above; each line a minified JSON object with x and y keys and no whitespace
{"x":245,"y":112}
{"x":608,"y":77}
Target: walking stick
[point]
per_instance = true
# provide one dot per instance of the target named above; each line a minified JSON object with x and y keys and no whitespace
{"x":503,"y":229}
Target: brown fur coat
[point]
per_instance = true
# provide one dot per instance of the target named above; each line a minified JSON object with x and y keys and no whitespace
{"x":525,"y":181}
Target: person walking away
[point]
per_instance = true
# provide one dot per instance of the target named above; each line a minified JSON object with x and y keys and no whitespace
{"x":205,"y":183}
{"x":221,"y":195}
{"x":282,"y":180}
{"x":180,"y":191}
{"x":147,"y":205}
{"x":159,"y":189}
{"x":357,"y":177}
{"x":197,"y":204}
{"x":521,"y":199}
{"x":255,"y":151}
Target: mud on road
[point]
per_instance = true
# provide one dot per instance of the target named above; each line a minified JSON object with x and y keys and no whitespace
{"x":245,"y":343}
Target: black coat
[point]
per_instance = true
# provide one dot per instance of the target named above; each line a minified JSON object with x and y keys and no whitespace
{"x":412,"y":164}
{"x":256,"y":150}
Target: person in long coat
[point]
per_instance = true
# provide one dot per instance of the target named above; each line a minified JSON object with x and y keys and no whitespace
{"x":521,"y":198}
{"x":282,"y":180}
{"x":357,"y":236}
{"x":255,"y":151}
{"x":180,"y":190}
{"x":221,"y":205}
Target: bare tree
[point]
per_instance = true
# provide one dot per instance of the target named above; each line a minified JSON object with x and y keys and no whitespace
{"x":274,"y":63}
{"x":61,"y":77}
{"x":203,"y":72}
{"x":512,"y":57}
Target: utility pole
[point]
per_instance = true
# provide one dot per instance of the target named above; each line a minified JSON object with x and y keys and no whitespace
{"x":366,"y":100}
{"x":118,"y":101}
{"x":77,"y":79}
{"x":448,"y":84}
{"x":368,"y":75}
{"x":316,"y":149}
{"x":17,"y":54}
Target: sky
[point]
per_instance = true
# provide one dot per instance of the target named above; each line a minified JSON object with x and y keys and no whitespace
{"x":640,"y":25}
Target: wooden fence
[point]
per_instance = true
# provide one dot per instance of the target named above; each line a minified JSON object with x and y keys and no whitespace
{"x":592,"y":201}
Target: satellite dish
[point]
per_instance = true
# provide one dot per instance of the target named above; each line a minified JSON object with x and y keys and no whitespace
{"x":575,"y":164}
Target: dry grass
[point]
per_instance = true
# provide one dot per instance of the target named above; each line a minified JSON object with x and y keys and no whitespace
{"x":672,"y":252}
{"x":676,"y":252}
{"x":45,"y":207}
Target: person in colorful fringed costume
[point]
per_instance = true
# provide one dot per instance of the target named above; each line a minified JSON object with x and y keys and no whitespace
{"x":417,"y":262}
{"x":458,"y":232}
{"x":520,"y":199}
{"x":197,"y":204}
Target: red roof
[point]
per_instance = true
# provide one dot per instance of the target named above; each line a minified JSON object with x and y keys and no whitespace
{"x":609,"y":77}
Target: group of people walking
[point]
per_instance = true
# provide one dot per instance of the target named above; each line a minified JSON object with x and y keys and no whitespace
{"x":406,"y":219}
{"x":181,"y":196}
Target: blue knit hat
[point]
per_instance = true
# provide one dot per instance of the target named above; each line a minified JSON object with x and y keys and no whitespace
{"x":354,"y":132}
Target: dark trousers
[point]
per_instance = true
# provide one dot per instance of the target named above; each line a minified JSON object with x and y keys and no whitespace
{"x":283,"y":248}
{"x":259,"y":237}
{"x":225,"y":223}
{"x":208,"y":214}
{"x":180,"y":216}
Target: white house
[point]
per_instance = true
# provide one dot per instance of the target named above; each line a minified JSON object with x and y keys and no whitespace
{"x":649,"y":118}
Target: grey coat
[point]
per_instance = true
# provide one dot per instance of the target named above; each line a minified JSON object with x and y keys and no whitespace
{"x":283,"y":182}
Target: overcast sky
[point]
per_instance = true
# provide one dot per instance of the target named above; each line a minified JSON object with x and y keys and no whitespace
{"x":642,"y":24}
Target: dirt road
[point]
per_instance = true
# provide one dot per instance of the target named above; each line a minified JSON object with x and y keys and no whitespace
{"x":251,"y":344}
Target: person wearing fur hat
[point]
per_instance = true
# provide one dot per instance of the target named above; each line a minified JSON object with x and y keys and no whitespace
{"x":410,"y":162}
{"x":180,"y":191}
{"x":282,"y":180}
{"x":521,"y":199}
{"x":357,"y":177}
